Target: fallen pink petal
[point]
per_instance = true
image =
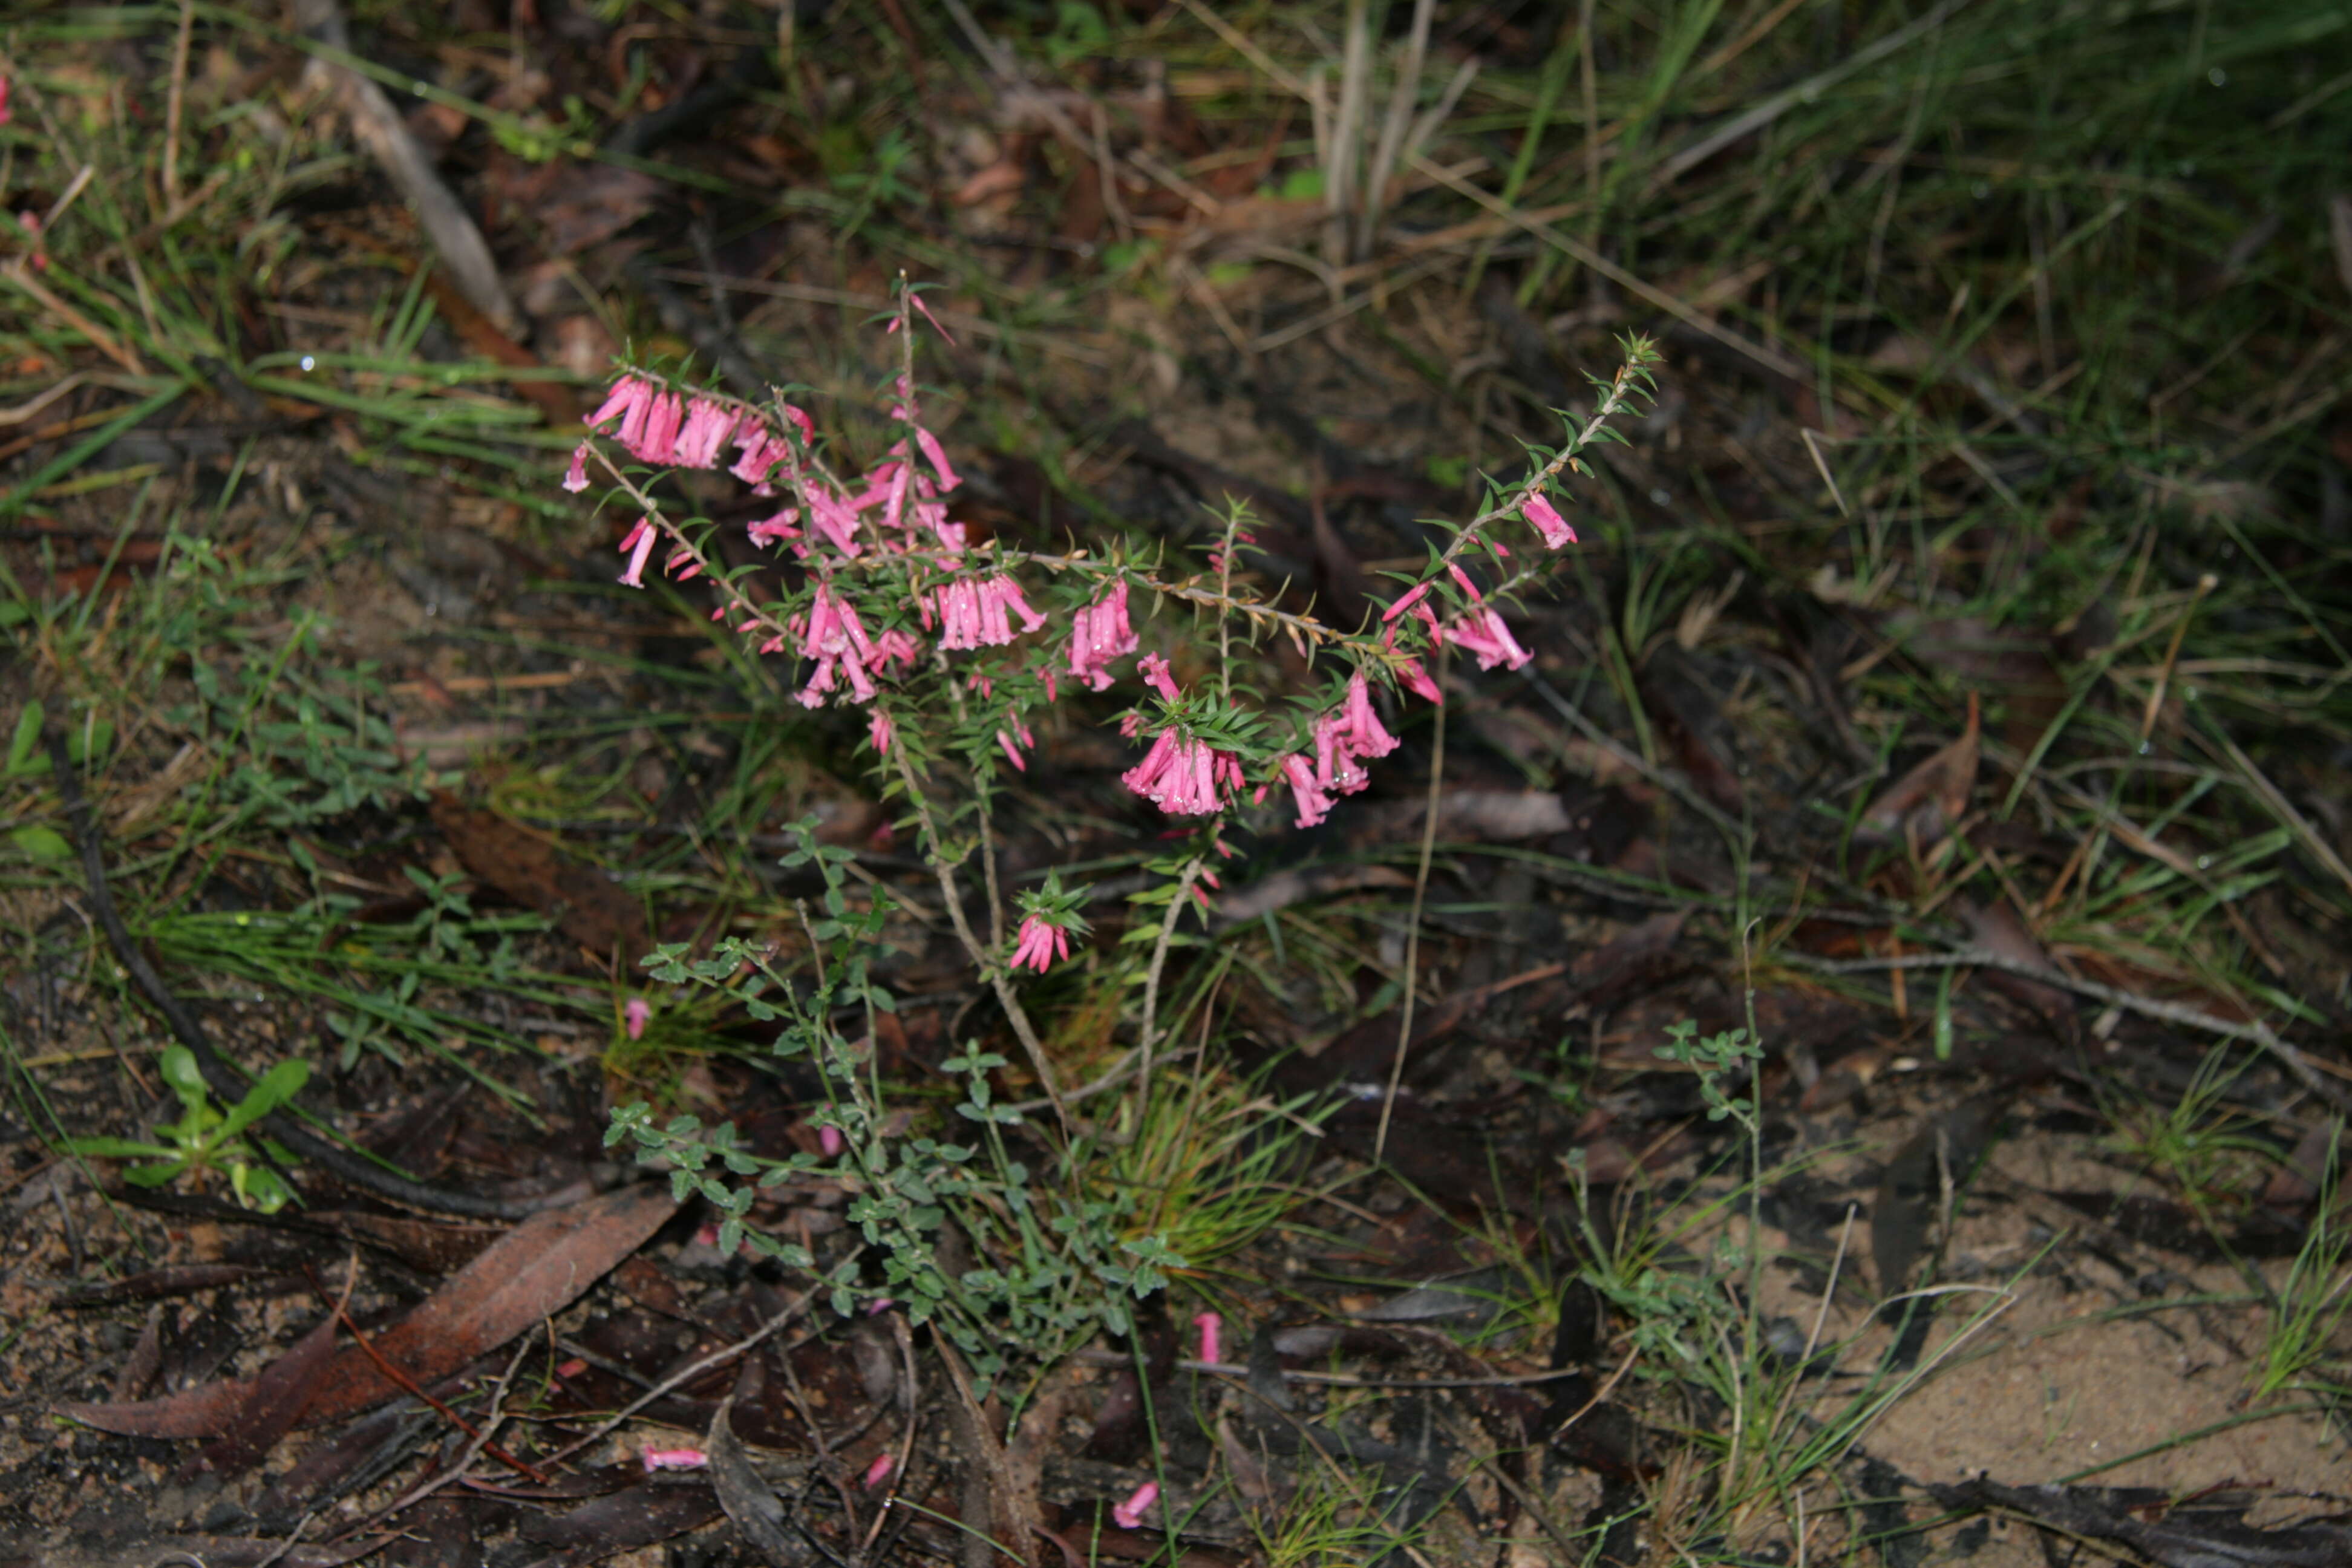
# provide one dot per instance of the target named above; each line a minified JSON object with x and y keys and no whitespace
{"x":674,"y":1459}
{"x":1129,"y":1515}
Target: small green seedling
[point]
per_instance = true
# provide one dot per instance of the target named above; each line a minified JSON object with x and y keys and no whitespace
{"x":1716,"y":1058}
{"x":206,"y":1140}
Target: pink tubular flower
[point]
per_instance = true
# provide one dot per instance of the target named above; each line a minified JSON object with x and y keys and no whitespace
{"x":880,"y":730}
{"x":879,"y":1470}
{"x":761,"y":451}
{"x":772,"y":530}
{"x":1208,"y":1323}
{"x":575,"y":477}
{"x":829,"y":1139}
{"x":708,"y":426}
{"x":1154,"y":671}
{"x":938,"y":457}
{"x":1417,"y":681}
{"x":656,"y":439}
{"x":639,"y":545}
{"x":1546,"y":520}
{"x":626,"y":402}
{"x":933,"y":453}
{"x":1098,"y":633}
{"x":673,"y":1459}
{"x":1313,"y":803}
{"x":1129,"y":1515}
{"x":1335,"y":759}
{"x":836,"y":638}
{"x":1483,"y":634}
{"x":635,"y":1013}
{"x":1038,"y":944}
{"x":1365,"y":735}
{"x":1182,"y":778}
{"x":977,"y":613}
{"x":1013,"y":750}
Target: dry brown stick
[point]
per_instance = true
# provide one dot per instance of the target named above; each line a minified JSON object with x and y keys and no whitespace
{"x":173,"y":105}
{"x":456,"y":1471}
{"x":480,"y":1438}
{"x":2296,"y":1064}
{"x":1014,"y":1514}
{"x":685,"y":1374}
{"x":100,"y":339}
{"x":379,"y":128}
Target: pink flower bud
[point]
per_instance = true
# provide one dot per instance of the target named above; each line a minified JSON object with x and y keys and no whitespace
{"x":914,"y":299}
{"x":1406,"y":603}
{"x":829,"y":1139}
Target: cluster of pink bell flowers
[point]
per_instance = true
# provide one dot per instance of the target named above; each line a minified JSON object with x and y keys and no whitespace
{"x":893,"y":584}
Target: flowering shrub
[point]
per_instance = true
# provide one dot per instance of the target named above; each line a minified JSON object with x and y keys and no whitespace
{"x":889,"y":587}
{"x":952,"y":648}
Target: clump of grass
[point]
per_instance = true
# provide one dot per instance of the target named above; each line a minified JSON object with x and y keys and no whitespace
{"x":1338,"y":1517}
{"x":2302,"y":1343}
{"x":2210,"y":1151}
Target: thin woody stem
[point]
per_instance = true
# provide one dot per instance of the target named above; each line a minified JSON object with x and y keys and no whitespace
{"x":999,"y":979}
{"x":1412,"y":930}
{"x":1152,"y":979}
{"x":1612,"y":403}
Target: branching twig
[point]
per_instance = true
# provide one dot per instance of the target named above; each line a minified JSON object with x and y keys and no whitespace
{"x":684,"y":1375}
{"x":989,"y":963}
